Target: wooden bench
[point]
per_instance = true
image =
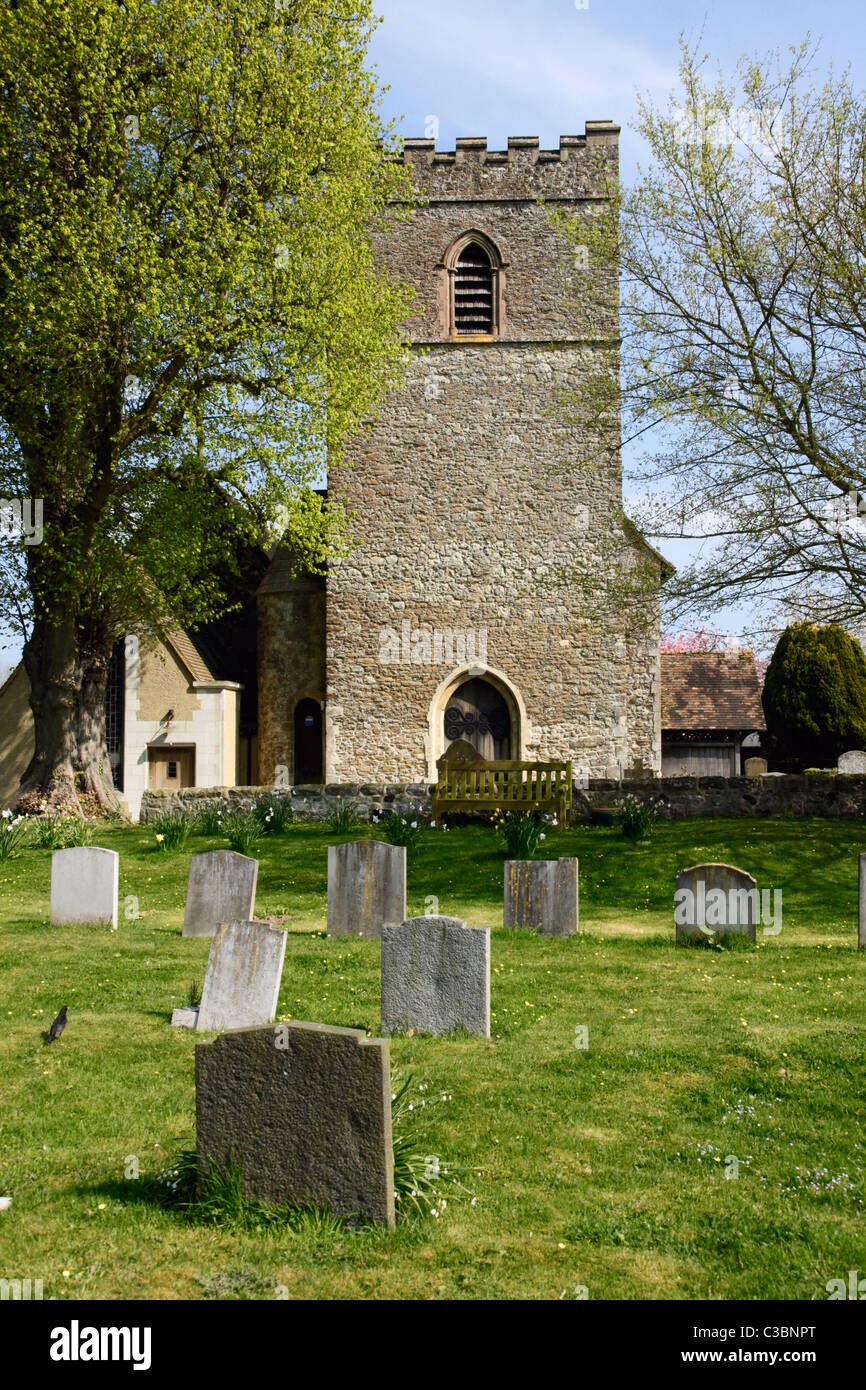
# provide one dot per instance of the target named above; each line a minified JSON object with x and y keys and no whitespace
{"x":503,"y":786}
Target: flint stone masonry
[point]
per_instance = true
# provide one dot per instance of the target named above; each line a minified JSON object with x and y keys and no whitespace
{"x":853,"y":762}
{"x":435,"y":976}
{"x":242,"y":983}
{"x":305,"y":1109}
{"x":677,"y":798}
{"x":84,"y":884}
{"x":366,"y":887}
{"x":542,"y":894}
{"x":711,"y":899}
{"x":221,"y":888}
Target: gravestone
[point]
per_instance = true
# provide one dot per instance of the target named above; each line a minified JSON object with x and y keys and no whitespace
{"x":84,"y":886}
{"x":711,"y":899}
{"x":366,"y":887}
{"x":221,"y":888}
{"x":542,"y":894}
{"x":435,"y":976}
{"x":861,"y":931}
{"x":242,"y":983}
{"x":306,"y":1111}
{"x":853,"y":762}
{"x":755,"y":767}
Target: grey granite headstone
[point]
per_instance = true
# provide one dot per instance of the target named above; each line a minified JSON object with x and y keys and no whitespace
{"x":712,"y":899}
{"x":853,"y":762}
{"x":305,"y":1109}
{"x":242,"y":983}
{"x":435,"y":976}
{"x":542,"y":894}
{"x":861,"y":929}
{"x":755,"y":767}
{"x":221,"y":888}
{"x":84,"y":886}
{"x":366,"y":887}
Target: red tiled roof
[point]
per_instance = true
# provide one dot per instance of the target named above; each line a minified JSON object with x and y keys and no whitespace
{"x":710,"y":690}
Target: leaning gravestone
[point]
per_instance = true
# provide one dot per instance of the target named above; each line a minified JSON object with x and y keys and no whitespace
{"x":84,"y":886}
{"x":755,"y":767}
{"x":853,"y":762}
{"x":366,"y":887}
{"x":542,"y":894}
{"x":242,"y":983}
{"x":435,"y":976}
{"x":221,"y":888}
{"x":711,"y":899}
{"x":305,"y":1109}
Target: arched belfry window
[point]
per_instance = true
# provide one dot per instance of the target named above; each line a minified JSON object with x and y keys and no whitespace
{"x":473,"y":274}
{"x":473,"y":291}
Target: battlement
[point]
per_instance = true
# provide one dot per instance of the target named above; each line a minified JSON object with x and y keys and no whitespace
{"x":471,"y":171}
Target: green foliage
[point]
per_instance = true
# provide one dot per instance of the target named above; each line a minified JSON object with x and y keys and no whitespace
{"x":193,"y":994}
{"x":399,"y":830}
{"x":243,"y":832}
{"x":76,"y":832}
{"x":49,"y":832}
{"x":520,"y":832}
{"x":636,"y":818}
{"x":343,"y":818}
{"x":13,"y":832}
{"x":815,"y":695}
{"x":171,"y":830}
{"x":273,"y":812}
{"x":208,"y":819}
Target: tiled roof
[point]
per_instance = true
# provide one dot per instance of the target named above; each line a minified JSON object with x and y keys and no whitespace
{"x":710,"y":690}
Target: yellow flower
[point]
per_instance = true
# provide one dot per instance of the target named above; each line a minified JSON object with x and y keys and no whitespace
{"x":160,"y":837}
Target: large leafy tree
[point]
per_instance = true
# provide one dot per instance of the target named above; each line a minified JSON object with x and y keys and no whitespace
{"x":815,"y":695}
{"x":741,"y":251}
{"x":191,"y":319}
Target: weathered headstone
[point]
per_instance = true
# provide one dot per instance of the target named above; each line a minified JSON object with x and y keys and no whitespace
{"x":242,"y":983}
{"x":84,"y":886}
{"x":221,"y":888}
{"x":861,"y":931}
{"x":755,"y":767}
{"x":542,"y":894}
{"x":366,"y":887}
{"x":712,"y":899}
{"x":435,"y":976}
{"x":305,"y":1109}
{"x":853,"y":762}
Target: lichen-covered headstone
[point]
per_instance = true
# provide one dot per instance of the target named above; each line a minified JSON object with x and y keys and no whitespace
{"x":435,"y":976}
{"x":714,"y":899}
{"x":542,"y":894}
{"x":84,"y":883}
{"x":305,"y":1111}
{"x":242,"y":983}
{"x":366,"y":887}
{"x":221,"y":888}
{"x":755,"y":767}
{"x":853,"y":762}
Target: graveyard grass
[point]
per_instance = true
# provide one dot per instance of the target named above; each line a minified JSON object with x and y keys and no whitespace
{"x":600,"y":1168}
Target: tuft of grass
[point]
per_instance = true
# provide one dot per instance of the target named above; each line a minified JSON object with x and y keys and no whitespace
{"x":636,"y":818}
{"x":208,"y":819}
{"x":343,"y":818}
{"x":273,"y":813}
{"x":399,"y":830}
{"x":13,"y":834}
{"x":171,"y":830}
{"x":243,"y":832}
{"x":520,"y":832}
{"x":193,"y":994}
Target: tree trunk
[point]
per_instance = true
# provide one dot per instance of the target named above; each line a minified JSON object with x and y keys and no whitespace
{"x":70,"y":770}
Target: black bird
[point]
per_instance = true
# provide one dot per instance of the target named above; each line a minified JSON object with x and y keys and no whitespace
{"x":57,"y":1026}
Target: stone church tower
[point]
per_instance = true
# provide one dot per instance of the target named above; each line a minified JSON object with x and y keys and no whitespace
{"x":473,"y":494}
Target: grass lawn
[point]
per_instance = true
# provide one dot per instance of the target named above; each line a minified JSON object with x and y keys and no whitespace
{"x":602,"y":1167}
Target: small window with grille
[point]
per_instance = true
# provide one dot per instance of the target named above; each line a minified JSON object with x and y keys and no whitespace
{"x":172,"y":769}
{"x":473,"y":291}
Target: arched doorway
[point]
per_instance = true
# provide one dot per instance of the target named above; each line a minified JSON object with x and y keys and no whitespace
{"x":308,"y":742}
{"x":477,"y":713}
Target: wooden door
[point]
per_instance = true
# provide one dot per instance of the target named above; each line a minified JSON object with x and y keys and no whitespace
{"x":171,"y":768}
{"x":477,"y":714}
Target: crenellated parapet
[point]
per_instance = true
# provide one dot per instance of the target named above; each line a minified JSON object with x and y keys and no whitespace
{"x":471,"y":171}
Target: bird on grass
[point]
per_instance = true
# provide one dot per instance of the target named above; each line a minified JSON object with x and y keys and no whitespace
{"x":57,"y":1026}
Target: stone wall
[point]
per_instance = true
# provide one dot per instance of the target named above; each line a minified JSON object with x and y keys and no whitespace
{"x":482,"y":502}
{"x":678,"y":798}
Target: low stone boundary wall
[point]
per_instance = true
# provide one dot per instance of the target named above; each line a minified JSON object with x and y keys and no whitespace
{"x":677,"y":798}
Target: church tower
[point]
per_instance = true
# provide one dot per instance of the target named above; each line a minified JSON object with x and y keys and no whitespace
{"x":476,"y":490}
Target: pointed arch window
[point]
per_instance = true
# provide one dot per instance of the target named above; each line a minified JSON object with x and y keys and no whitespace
{"x":473,"y":291}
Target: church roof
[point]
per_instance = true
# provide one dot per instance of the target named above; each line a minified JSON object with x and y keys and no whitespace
{"x":710,"y":690}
